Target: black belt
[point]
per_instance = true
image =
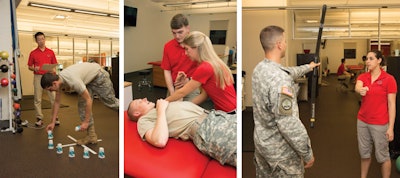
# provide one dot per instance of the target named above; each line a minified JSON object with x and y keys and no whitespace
{"x":232,"y":112}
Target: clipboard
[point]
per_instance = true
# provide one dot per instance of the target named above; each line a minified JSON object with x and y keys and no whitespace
{"x":49,"y":67}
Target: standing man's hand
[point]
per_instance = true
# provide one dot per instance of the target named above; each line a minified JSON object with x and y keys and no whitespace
{"x":313,"y":64}
{"x":84,"y":125}
{"x":181,"y":80}
{"x":309,"y":163}
{"x":50,"y":126}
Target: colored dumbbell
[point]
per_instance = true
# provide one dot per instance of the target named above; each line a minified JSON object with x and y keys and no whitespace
{"x":17,"y":106}
{"x":20,"y":129}
{"x":4,"y":55}
{"x":15,"y":98}
{"x":4,"y":68}
{"x":17,"y":113}
{"x":4,"y":82}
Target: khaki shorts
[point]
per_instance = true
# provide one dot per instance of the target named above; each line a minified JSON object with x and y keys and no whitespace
{"x":373,"y":135}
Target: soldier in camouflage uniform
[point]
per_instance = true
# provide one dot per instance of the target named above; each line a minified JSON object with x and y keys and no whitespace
{"x":281,"y":140}
{"x":213,"y":132}
{"x":86,"y":79}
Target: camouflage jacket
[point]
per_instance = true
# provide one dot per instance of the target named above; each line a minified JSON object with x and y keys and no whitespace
{"x":279,"y":135}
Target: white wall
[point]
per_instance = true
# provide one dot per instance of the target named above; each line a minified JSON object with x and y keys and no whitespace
{"x":26,"y":46}
{"x":254,"y":21}
{"x":145,"y":42}
{"x":201,"y":22}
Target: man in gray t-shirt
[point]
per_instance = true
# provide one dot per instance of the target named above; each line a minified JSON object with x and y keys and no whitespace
{"x":213,"y":132}
{"x":86,"y":79}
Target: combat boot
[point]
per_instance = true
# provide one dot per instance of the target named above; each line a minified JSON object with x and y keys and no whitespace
{"x":90,"y":138}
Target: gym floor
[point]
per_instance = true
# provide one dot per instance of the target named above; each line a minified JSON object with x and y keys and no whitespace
{"x":26,"y":154}
{"x":333,"y":138}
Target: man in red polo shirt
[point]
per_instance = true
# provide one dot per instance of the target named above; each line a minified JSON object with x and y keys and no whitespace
{"x":39,"y":56}
{"x":174,"y":57}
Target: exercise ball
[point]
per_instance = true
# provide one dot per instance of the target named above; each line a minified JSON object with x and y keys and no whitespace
{"x":398,"y":163}
{"x":4,"y":68}
{"x":4,"y":55}
{"x":4,"y":82}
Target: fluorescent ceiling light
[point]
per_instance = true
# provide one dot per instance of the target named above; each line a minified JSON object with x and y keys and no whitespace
{"x":311,"y":21}
{"x":90,"y":12}
{"x":61,"y":17}
{"x":177,"y":4}
{"x":114,"y":15}
{"x":222,"y":3}
{"x":67,"y":9}
{"x":49,"y":6}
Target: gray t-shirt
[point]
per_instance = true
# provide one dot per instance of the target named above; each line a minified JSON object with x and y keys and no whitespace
{"x":77,"y":76}
{"x":180,"y":117}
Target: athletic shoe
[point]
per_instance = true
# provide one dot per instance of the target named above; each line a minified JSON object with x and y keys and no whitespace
{"x":57,"y":121}
{"x":24,"y":123}
{"x":39,"y":122}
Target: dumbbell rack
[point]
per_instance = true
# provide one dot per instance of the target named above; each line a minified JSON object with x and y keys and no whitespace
{"x":9,"y":102}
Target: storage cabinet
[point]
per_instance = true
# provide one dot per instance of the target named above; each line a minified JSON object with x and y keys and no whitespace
{"x":158,"y":74}
{"x":115,"y":75}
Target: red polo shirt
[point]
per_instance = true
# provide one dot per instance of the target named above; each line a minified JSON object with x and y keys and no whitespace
{"x":341,"y":69}
{"x":175,"y":60}
{"x":223,"y":99}
{"x":374,"y":105}
{"x":39,"y":57}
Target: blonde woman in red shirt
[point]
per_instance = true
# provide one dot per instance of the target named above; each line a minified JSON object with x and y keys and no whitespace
{"x":212,"y":74}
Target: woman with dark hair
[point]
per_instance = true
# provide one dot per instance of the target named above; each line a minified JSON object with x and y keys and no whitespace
{"x":377,"y":113}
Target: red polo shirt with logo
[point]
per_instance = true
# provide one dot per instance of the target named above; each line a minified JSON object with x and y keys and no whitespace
{"x":175,"y":60}
{"x":39,"y":57}
{"x":374,"y":105}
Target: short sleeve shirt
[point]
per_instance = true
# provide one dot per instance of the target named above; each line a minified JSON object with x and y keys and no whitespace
{"x":374,"y":105}
{"x":38,"y":57}
{"x":77,"y":76}
{"x":223,"y":99}
{"x":341,"y":69}
{"x":175,"y":60}
{"x":180,"y":117}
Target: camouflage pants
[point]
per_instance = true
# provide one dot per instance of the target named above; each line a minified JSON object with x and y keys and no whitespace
{"x":216,"y":137}
{"x":283,"y":169}
{"x":103,"y":88}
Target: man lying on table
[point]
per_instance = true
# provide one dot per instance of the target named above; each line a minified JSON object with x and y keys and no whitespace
{"x":213,"y":132}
